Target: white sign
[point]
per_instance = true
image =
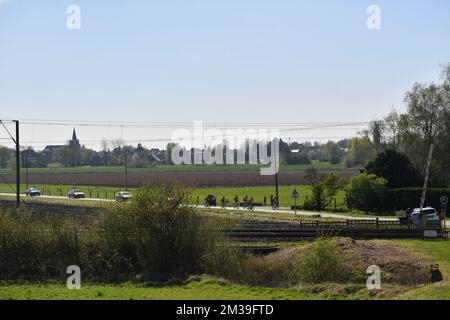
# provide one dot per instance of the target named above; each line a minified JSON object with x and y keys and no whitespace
{"x":430,"y":233}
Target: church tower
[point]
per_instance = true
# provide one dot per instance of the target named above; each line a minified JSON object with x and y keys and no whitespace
{"x":74,"y":143}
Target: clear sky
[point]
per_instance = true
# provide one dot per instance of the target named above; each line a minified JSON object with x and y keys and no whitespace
{"x":214,"y":61}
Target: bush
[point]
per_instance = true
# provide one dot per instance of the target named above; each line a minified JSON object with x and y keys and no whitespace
{"x":325,"y":261}
{"x":31,"y":248}
{"x":156,"y":237}
{"x":159,"y":233}
{"x":366,"y":192}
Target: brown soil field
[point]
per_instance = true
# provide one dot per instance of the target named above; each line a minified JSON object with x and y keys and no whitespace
{"x":193,"y":179}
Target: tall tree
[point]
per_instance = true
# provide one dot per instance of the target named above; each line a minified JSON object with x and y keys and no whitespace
{"x":361,"y":151}
{"x":396,"y":168}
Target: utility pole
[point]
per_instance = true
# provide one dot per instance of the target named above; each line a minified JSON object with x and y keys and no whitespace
{"x":17,"y":141}
{"x":276,"y":176}
{"x":276,"y":188}
{"x":26,"y":167}
{"x":427,"y":176}
{"x":126,"y":171}
{"x":425,"y":184}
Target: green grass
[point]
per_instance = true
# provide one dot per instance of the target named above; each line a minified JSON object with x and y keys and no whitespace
{"x":214,"y":289}
{"x":257,"y":193}
{"x":207,"y":289}
{"x":174,"y":168}
{"x":438,"y":251}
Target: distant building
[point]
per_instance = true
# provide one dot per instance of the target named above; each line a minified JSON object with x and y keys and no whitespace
{"x":50,"y":150}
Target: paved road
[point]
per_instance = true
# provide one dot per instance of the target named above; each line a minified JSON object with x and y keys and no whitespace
{"x":57,"y":198}
{"x":315,"y":214}
{"x":306,"y":213}
{"x":257,"y":209}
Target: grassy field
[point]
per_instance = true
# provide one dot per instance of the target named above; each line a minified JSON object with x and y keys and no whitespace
{"x":214,"y":289}
{"x":207,"y":289}
{"x":174,"y":168}
{"x":258,"y":193}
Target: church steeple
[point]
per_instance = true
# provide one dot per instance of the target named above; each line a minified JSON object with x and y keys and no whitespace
{"x":74,"y":143}
{"x":74,"y":135}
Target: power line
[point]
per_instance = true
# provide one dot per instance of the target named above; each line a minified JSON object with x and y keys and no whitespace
{"x":169,"y":125}
{"x":159,"y":125}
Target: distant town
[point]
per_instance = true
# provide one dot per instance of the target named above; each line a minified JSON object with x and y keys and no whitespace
{"x":351,"y":152}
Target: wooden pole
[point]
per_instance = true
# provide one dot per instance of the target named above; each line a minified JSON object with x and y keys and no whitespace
{"x":17,"y":164}
{"x":126,"y":171}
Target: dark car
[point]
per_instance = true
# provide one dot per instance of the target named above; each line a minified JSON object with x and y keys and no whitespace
{"x":76,"y":194}
{"x":32,"y":192}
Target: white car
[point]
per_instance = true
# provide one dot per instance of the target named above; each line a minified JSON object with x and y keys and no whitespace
{"x":76,"y":194}
{"x":430,"y":215}
{"x":123,"y":196}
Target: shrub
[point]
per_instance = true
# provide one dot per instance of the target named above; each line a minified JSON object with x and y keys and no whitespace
{"x":366,"y":192}
{"x":156,"y":237}
{"x":31,"y":248}
{"x":324,"y":189}
{"x":325,"y":261}
{"x":159,"y":233}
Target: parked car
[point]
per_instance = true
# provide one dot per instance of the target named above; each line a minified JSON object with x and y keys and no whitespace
{"x":123,"y":196}
{"x":32,"y":192}
{"x":428,"y":213}
{"x":76,"y":194}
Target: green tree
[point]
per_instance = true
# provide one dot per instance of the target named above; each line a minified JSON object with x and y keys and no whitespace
{"x":396,"y":168}
{"x":361,"y":151}
{"x":6,"y":155}
{"x":324,"y":188}
{"x":68,"y":156}
{"x":169,"y":148}
{"x":366,"y":192}
{"x":331,"y":152}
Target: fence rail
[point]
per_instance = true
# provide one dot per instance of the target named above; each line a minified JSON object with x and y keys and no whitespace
{"x":365,"y":229}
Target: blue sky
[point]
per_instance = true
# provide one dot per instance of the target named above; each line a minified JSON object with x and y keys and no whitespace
{"x":222,"y":61}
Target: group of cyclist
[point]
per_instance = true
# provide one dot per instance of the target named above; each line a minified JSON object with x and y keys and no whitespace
{"x":247,"y":202}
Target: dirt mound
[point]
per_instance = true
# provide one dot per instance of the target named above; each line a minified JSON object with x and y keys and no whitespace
{"x":398,"y":264}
